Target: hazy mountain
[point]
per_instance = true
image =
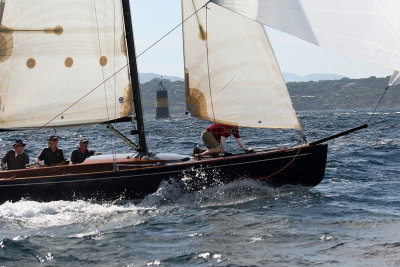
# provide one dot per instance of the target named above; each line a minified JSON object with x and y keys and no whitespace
{"x":291,"y":77}
{"x":344,"y":93}
{"x":147,"y":77}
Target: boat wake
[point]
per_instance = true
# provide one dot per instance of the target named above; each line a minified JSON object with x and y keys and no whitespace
{"x":76,"y":218}
{"x":90,"y":219}
{"x":176,"y":193}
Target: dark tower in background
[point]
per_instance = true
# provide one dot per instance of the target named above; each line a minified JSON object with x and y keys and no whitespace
{"x":162,"y":109}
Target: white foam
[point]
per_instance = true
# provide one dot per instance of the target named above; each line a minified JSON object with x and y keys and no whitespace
{"x":26,"y":214}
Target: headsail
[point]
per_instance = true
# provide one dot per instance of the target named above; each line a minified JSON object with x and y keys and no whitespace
{"x":231,"y":72}
{"x":52,"y":53}
{"x":367,"y":30}
{"x":395,"y":79}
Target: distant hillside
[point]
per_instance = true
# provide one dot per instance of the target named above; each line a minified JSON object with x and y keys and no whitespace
{"x":291,"y":77}
{"x":147,"y":77}
{"x":323,"y":95}
{"x":343,"y":94}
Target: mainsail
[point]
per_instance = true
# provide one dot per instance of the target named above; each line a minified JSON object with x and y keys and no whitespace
{"x":50,"y":60}
{"x":367,"y":30}
{"x":232,"y":75}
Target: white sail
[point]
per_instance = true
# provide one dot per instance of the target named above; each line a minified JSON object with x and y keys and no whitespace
{"x":395,"y":79}
{"x":49,"y":60}
{"x":231,"y":72}
{"x":367,"y":30}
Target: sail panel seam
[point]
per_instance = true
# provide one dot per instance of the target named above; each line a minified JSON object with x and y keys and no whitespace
{"x":102,"y":67}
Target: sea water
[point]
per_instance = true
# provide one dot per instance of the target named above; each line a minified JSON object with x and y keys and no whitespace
{"x":352,"y":218}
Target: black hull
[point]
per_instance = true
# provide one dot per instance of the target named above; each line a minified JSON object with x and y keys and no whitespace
{"x":305,"y":166}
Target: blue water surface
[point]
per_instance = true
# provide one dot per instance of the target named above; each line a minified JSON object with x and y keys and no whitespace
{"x":352,"y":218}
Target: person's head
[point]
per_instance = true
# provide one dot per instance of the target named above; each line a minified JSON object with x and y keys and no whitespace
{"x":53,"y":140}
{"x":83,"y":142}
{"x":19,"y":146}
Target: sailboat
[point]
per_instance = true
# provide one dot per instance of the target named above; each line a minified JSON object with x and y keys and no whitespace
{"x":75,"y":65}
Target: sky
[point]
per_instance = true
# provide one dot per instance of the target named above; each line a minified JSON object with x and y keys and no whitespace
{"x":154,"y":18}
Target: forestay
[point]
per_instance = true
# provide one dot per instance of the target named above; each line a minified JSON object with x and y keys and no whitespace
{"x":231,"y":72}
{"x":368,"y":30}
{"x":52,"y":53}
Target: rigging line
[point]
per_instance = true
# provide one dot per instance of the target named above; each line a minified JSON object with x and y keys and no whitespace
{"x":168,"y":133}
{"x":111,"y":76}
{"x":173,"y":29}
{"x":387,"y":87}
{"x":208,"y":66}
{"x":102,"y":67}
{"x":76,"y":102}
{"x":113,"y":147}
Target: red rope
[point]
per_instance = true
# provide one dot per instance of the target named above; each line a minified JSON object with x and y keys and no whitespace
{"x":273,"y":174}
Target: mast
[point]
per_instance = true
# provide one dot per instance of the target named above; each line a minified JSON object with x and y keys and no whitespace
{"x":134,"y":77}
{"x":2,"y":4}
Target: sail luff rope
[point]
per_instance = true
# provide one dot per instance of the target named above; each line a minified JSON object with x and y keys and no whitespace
{"x":114,"y":148}
{"x":208,"y":66}
{"x":102,"y":67}
{"x":102,"y":72}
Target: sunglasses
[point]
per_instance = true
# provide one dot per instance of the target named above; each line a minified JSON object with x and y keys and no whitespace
{"x":20,"y":145}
